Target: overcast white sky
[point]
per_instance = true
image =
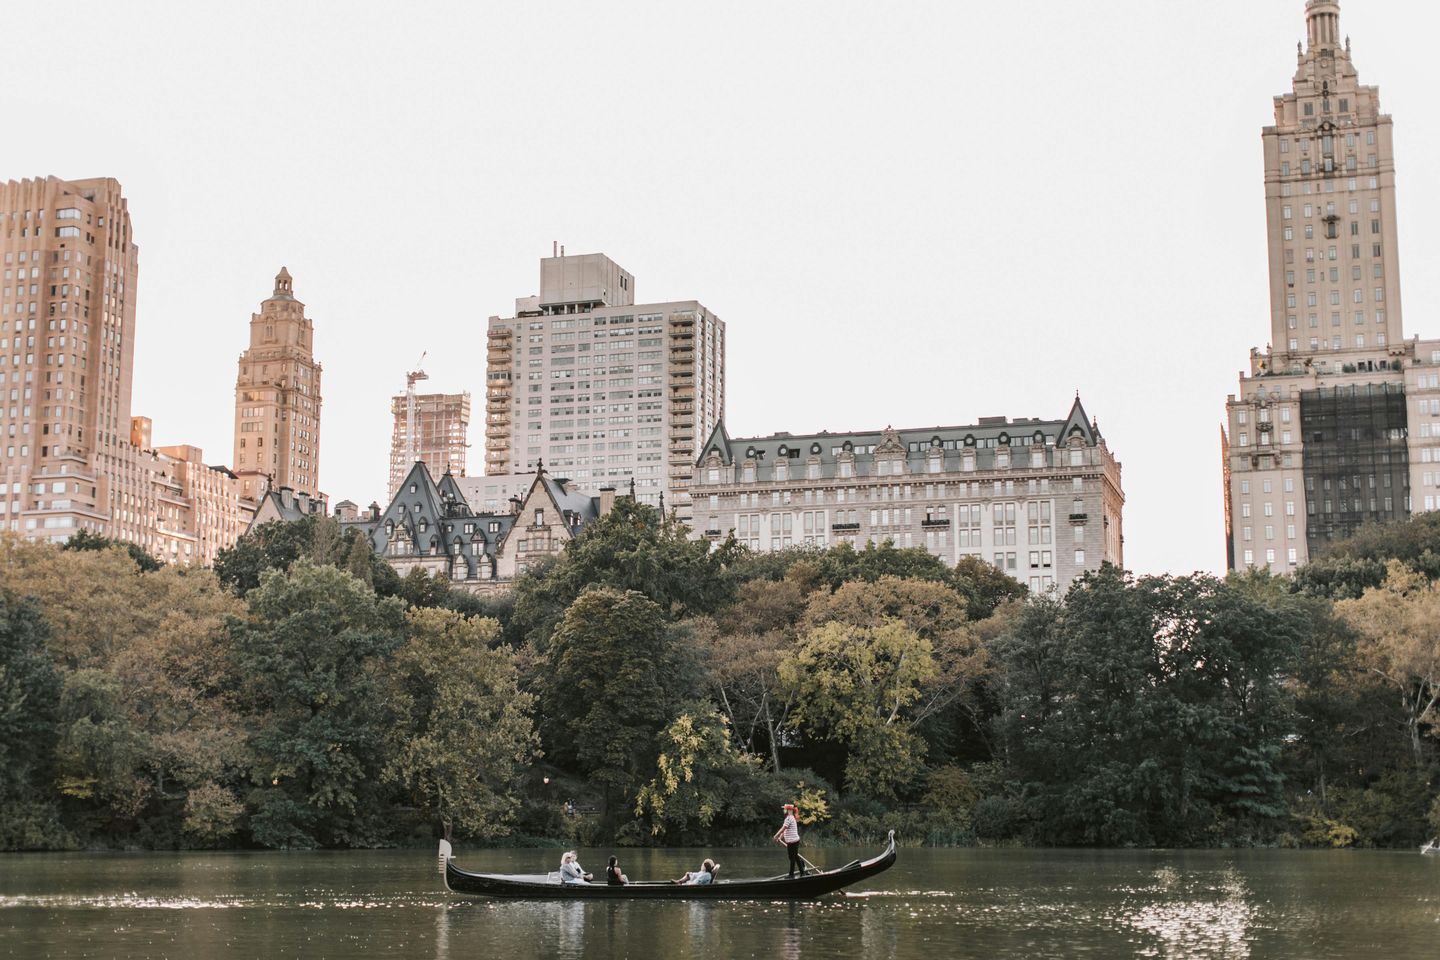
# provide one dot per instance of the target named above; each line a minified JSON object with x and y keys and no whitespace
{"x":907,"y":213}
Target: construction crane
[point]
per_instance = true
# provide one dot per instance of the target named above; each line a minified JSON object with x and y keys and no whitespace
{"x":412,"y":441}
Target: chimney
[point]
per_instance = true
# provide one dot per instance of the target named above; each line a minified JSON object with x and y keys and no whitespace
{"x":607,"y":500}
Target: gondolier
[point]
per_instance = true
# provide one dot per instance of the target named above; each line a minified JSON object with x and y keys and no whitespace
{"x":789,"y":834}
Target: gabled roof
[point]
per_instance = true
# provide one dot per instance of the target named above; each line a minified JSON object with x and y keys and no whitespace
{"x":1076,"y":422}
{"x":719,"y":441}
{"x":450,"y":491}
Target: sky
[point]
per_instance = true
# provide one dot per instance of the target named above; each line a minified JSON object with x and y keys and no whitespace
{"x":907,"y":213}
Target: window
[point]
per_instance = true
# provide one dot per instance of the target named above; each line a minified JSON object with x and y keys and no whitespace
{"x":1079,"y":558}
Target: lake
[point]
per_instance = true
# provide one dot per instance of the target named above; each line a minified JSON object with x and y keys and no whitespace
{"x":989,"y":904}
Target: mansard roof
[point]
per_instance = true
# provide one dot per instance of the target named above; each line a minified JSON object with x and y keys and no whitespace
{"x":989,"y":432}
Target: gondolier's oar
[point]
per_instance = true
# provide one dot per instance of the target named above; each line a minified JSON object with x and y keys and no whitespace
{"x":808,"y":863}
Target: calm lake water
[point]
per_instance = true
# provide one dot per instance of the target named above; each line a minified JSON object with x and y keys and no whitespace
{"x":933,"y":904}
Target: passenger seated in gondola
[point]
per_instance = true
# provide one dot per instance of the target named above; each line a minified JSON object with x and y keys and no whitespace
{"x":571,"y":871}
{"x":706,"y":874}
{"x":613,"y":876}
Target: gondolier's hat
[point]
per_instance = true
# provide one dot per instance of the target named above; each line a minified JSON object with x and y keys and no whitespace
{"x":789,"y":806}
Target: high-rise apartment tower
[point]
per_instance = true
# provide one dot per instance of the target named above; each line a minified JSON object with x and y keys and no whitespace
{"x":1337,"y":422}
{"x":442,"y":424}
{"x":602,"y":389}
{"x":277,"y":399}
{"x":67,"y":312}
{"x":72,"y":457}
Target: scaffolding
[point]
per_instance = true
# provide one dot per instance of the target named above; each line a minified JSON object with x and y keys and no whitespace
{"x":1357,"y":467}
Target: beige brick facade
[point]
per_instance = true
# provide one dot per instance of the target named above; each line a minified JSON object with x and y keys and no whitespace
{"x":277,"y":399}
{"x":1337,"y":423}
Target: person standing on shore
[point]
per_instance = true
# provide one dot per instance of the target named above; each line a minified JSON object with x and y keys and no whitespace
{"x":789,"y":834}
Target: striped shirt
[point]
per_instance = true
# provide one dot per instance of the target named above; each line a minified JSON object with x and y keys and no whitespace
{"x":791,"y":830}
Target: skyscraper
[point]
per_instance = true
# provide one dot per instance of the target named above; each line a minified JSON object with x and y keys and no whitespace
{"x":600,"y":388}
{"x":1332,"y":426}
{"x":442,"y":424}
{"x":74,"y":458}
{"x":277,"y":399}
{"x":67,"y":309}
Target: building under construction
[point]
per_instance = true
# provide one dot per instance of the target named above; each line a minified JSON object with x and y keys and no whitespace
{"x":430,"y":427}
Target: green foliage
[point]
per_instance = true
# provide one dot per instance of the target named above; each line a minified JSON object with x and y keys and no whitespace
{"x":312,"y":652}
{"x":855,"y":685}
{"x":1414,"y":542}
{"x":844,"y":564}
{"x":460,"y":726}
{"x":277,"y":545}
{"x":29,"y":695}
{"x":86,"y":540}
{"x":703,"y":780}
{"x":1147,"y":711}
{"x":608,"y":686}
{"x":631,"y":548}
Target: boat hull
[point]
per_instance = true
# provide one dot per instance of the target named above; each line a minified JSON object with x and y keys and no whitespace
{"x":806,"y":887}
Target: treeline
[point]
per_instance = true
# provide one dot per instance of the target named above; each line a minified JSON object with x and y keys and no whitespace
{"x":642,"y":688}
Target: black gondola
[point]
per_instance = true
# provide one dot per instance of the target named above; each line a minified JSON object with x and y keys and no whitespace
{"x":548,"y":886}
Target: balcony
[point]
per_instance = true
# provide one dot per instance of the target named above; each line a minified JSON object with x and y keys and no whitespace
{"x":844,"y":527}
{"x":934,"y":522}
{"x":1079,"y":517}
{"x":501,"y":334}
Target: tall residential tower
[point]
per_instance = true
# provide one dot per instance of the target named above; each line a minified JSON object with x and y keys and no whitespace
{"x":277,"y":399}
{"x":600,"y":388}
{"x":441,"y":428}
{"x":72,"y":457}
{"x":1337,"y":423}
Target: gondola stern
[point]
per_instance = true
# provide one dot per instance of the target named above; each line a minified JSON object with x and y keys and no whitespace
{"x":443,"y":859}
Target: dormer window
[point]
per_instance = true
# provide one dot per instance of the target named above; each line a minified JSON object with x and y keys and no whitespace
{"x":540,"y":517}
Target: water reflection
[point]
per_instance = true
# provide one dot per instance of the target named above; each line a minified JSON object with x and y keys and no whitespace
{"x":984,"y":904}
{"x":1198,"y":917}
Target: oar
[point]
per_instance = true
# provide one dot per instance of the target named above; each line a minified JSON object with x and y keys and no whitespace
{"x":809,"y":864}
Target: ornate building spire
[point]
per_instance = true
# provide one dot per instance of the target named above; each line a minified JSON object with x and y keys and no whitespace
{"x":283,"y":284}
{"x":1322,"y":18}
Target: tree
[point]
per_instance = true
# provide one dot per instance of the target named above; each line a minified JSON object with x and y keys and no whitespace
{"x":460,"y":725}
{"x":85,"y":540}
{"x":1399,"y":629}
{"x":984,"y":586}
{"x":1148,"y":711}
{"x":88,"y":626}
{"x":29,"y":691}
{"x":321,"y":540}
{"x":608,"y":684}
{"x":843,"y":563}
{"x":312,"y":652}
{"x":703,"y":779}
{"x":630,"y":548}
{"x":951,"y":702}
{"x":742,"y":648}
{"x":856,"y":685}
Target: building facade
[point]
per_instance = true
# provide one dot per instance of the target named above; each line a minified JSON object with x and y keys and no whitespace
{"x":74,"y":456}
{"x":601,"y":388}
{"x":277,"y":399}
{"x":67,"y":311}
{"x":441,"y":435}
{"x":430,"y":525}
{"x":1040,"y":499}
{"x":1337,"y":423}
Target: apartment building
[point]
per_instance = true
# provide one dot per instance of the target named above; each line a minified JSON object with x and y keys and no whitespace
{"x":600,"y":388}
{"x":1337,"y":422}
{"x":440,"y":439}
{"x":277,"y":399}
{"x":1040,"y":499}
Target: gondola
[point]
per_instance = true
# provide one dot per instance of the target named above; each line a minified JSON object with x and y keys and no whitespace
{"x":548,"y":886}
